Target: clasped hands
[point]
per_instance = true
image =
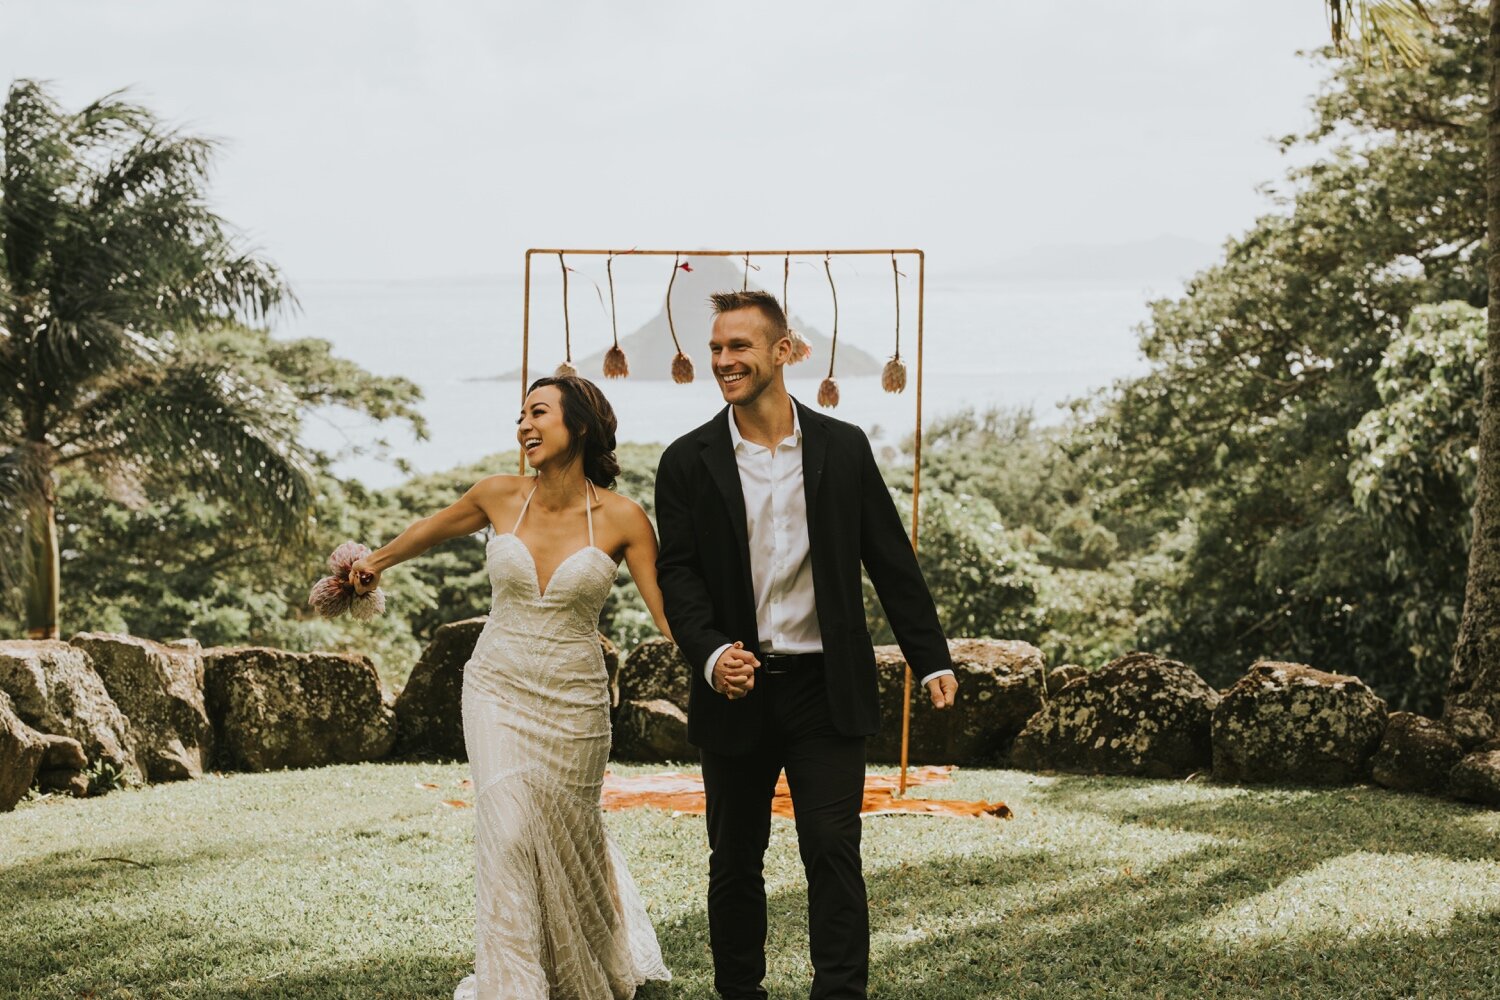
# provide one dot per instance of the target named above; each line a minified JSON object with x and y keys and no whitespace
{"x":734,"y":677}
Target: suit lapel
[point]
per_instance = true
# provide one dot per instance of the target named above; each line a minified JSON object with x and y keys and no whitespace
{"x":718,"y":456}
{"x":814,"y":452}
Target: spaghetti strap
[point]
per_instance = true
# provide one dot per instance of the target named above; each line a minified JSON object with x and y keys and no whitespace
{"x":517,"y":526}
{"x":588,"y":506}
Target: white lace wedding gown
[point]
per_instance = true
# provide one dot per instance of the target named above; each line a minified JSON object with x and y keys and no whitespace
{"x":558,"y":916}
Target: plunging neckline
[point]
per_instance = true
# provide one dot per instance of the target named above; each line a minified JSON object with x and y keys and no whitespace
{"x":536,"y":571}
{"x":536,"y":578}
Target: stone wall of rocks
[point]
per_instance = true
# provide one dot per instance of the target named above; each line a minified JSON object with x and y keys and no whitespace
{"x":103,"y":710}
{"x":100,"y":710}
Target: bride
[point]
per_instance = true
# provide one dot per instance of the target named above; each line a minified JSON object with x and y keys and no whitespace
{"x":558,"y":915}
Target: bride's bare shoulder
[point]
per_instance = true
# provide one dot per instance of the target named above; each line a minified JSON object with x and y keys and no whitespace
{"x":501,"y":485}
{"x":620,"y":508}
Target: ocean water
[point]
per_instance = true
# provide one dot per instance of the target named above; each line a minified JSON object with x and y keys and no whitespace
{"x":1036,"y":343}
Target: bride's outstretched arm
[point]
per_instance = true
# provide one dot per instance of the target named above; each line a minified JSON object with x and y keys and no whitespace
{"x":464,"y":516}
{"x":640,"y":559}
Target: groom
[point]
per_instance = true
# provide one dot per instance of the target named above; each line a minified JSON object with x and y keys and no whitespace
{"x":766,"y":513}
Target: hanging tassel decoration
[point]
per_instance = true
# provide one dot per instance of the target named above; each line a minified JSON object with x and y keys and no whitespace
{"x":615,"y":365}
{"x":566,"y":369}
{"x":801,"y":349}
{"x":682,"y":365}
{"x":893,"y":378}
{"x":828,"y":392}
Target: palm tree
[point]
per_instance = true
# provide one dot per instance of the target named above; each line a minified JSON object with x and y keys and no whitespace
{"x":108,"y":256}
{"x":1472,"y":703}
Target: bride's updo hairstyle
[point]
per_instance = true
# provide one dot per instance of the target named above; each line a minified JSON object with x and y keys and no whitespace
{"x":591,"y":424}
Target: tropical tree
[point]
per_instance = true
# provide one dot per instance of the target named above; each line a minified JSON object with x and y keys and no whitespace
{"x":108,"y":253}
{"x":1236,"y":458}
{"x":1473,"y":698}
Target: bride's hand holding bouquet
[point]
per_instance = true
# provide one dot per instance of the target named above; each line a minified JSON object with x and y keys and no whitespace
{"x":353,"y":586}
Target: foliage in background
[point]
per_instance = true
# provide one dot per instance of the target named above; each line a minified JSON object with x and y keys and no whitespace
{"x":1242,"y":432}
{"x":170,"y":560}
{"x":109,"y":258}
{"x":1289,"y":479}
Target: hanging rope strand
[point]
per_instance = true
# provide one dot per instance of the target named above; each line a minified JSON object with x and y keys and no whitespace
{"x":828,"y":392}
{"x":893,"y":377}
{"x":834,"y":344}
{"x":682,"y":365}
{"x":567,"y":329}
{"x":566,"y":368}
{"x":615,"y":365}
{"x":896,"y":278}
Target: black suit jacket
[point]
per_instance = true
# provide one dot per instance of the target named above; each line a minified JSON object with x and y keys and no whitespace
{"x":704,"y":570}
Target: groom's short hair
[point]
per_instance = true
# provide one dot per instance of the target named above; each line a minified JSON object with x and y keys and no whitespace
{"x":763,"y":302}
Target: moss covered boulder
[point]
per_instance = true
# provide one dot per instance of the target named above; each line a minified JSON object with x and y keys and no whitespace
{"x":1416,"y":754}
{"x":654,"y":671}
{"x":1139,"y":715}
{"x":428,"y":710}
{"x":1476,"y":778}
{"x":54,"y":689}
{"x":1000,"y":686}
{"x":160,"y":690}
{"x":1287,"y":722}
{"x":273,"y":709}
{"x":651,"y":730}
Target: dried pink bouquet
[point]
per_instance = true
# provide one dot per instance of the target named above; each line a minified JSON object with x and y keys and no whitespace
{"x":334,"y":595}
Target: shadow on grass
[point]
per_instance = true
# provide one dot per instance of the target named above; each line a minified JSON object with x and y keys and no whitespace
{"x":1003,"y":919}
{"x":219,"y":976}
{"x":1082,"y":925}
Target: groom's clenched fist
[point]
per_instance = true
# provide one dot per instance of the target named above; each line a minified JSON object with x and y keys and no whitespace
{"x":734,"y":672}
{"x":943,"y":690}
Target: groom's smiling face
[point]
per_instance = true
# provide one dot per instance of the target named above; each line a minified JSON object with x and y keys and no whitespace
{"x":745,"y":360}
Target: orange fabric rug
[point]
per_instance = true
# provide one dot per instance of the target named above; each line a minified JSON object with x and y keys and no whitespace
{"x":683,"y":793}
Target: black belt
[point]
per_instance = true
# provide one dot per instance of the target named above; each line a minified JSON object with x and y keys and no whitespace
{"x":786,"y":663}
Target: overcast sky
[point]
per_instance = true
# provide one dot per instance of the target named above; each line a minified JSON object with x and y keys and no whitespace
{"x":387,"y":138}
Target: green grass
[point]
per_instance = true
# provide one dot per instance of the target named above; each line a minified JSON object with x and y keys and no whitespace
{"x":353,"y":882}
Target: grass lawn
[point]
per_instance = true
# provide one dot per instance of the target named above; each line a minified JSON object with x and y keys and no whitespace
{"x":355,"y":882}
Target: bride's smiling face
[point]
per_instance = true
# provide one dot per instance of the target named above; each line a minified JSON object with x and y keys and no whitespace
{"x":540,"y":430}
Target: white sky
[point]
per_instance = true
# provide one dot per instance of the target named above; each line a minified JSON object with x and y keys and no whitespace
{"x":386,"y":138}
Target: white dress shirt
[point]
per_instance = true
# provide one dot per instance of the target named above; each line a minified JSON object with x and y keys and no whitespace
{"x":786,"y":611}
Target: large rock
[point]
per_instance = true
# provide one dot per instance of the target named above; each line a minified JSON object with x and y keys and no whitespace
{"x":999,"y":687}
{"x":1476,"y":778}
{"x":429,"y":710}
{"x":654,"y":670}
{"x":160,"y":689}
{"x":1472,"y":727}
{"x":55,"y":689}
{"x":1416,"y":754}
{"x":274,"y":709}
{"x":1060,"y":677}
{"x":1139,"y":715}
{"x":1286,"y":722}
{"x":62,"y":753}
{"x":64,"y":766}
{"x":21,"y":749}
{"x":654,"y":730}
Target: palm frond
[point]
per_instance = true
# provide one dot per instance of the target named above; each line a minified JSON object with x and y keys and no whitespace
{"x":196,"y":422}
{"x":1380,"y":28}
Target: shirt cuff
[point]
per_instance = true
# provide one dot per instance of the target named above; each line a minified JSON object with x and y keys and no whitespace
{"x":708,"y":668}
{"x":936,"y":673}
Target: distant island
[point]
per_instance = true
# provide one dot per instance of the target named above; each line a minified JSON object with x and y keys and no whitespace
{"x":649,"y":348}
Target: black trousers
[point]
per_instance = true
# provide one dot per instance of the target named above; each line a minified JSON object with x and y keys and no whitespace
{"x":825,"y":772}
